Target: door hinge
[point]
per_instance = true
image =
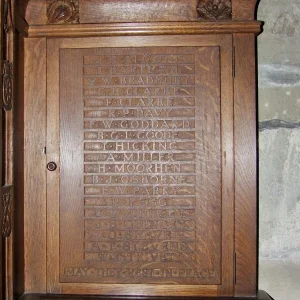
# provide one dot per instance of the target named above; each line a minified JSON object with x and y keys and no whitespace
{"x":234,"y":268}
{"x":233,"y":61}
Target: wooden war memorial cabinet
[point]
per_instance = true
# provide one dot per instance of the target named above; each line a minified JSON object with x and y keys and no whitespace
{"x":129,"y":149}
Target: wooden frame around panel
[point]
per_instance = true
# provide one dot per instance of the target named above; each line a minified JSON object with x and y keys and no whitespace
{"x":244,"y":139}
{"x":53,"y":46}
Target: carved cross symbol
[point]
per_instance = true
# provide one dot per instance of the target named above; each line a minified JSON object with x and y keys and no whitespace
{"x":6,"y":221}
{"x":214,"y":9}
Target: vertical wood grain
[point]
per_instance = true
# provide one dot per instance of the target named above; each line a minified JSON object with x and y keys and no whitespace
{"x":208,"y":162}
{"x":53,"y":155}
{"x":71,"y":208}
{"x":35,"y":166}
{"x":244,"y":9}
{"x":245,"y":165}
{"x":227,"y":169}
{"x":208,"y":149}
{"x":53,"y":138}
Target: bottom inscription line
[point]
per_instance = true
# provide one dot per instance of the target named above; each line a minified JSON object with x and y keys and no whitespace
{"x":140,"y":273}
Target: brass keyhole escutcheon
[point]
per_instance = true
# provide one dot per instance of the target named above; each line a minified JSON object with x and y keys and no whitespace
{"x":51,"y":166}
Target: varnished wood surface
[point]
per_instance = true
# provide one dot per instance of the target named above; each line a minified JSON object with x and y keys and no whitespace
{"x":245,"y":165}
{"x":261,"y":296}
{"x":163,"y":24}
{"x":53,"y":84}
{"x":132,"y":29}
{"x":137,"y":11}
{"x":141,"y":289}
{"x":244,"y":9}
{"x":35,"y":159}
{"x":35,"y":12}
{"x":145,"y":41}
{"x":178,"y":20}
{"x":227,"y":157}
{"x":197,"y":147}
{"x":52,"y":144}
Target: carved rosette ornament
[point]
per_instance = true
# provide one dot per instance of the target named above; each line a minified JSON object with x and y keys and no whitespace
{"x":214,"y":10}
{"x":7,"y":85}
{"x":6,"y":203}
{"x":63,"y":11}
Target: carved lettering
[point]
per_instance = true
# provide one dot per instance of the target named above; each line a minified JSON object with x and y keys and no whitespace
{"x":139,"y":91}
{"x":168,"y":224}
{"x":142,"y":124}
{"x":140,"y":102}
{"x":140,"y":179}
{"x":140,"y":168}
{"x":140,"y":165}
{"x":140,"y":70}
{"x":140,"y":273}
{"x":138,"y":146}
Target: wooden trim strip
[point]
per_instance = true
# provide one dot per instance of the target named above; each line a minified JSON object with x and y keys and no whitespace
{"x":245,"y":165}
{"x":34,"y":159}
{"x":157,"y":28}
{"x":139,"y":290}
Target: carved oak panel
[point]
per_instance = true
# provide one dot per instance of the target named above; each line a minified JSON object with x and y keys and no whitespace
{"x":140,"y":184}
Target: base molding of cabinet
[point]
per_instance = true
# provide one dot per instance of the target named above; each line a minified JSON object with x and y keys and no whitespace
{"x":262,"y":295}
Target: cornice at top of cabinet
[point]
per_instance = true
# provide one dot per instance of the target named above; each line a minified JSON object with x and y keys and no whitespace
{"x":42,"y":12}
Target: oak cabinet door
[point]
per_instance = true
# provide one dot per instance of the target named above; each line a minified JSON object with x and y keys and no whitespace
{"x":140,"y":191}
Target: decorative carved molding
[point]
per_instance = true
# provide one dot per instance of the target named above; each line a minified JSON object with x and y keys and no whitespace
{"x":7,"y":26}
{"x":7,"y":85}
{"x":136,"y":29}
{"x":214,"y":9}
{"x":7,"y":210}
{"x":5,"y":16}
{"x":63,"y":11}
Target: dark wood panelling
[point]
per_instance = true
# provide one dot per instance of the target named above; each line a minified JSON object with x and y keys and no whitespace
{"x":18,"y":243}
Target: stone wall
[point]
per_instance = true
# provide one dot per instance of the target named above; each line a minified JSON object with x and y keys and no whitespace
{"x":279,"y":146}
